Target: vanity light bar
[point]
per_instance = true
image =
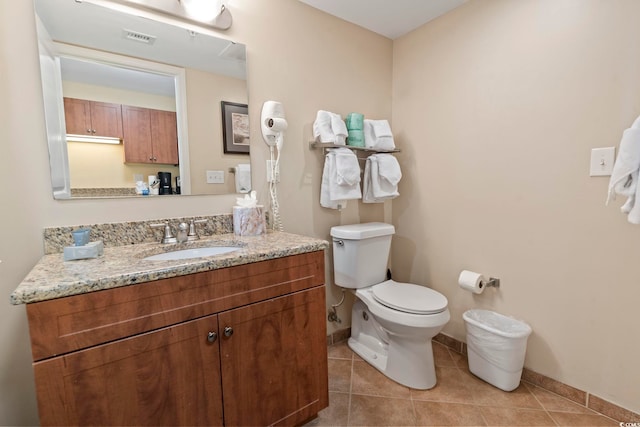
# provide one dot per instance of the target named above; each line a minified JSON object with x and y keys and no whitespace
{"x":94,"y":139}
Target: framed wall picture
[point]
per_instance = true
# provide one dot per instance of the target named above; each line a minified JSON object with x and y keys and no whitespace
{"x":235,"y":128}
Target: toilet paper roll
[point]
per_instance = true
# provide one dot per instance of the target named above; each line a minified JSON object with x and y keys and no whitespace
{"x":276,"y":125}
{"x":471,"y":281}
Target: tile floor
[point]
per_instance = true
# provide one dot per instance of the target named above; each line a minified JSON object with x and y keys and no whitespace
{"x":361,"y":396}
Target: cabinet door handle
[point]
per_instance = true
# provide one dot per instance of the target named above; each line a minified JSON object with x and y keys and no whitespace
{"x":93,"y":131}
{"x":212,"y":336}
{"x":228,"y":331}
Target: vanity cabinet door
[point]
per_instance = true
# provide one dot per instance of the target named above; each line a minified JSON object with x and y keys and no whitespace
{"x":274,"y":360}
{"x":83,"y":117}
{"x":150,"y":136}
{"x":106,"y":119}
{"x":166,"y":377}
{"x":77,"y":116}
{"x":136,"y":122}
{"x":164,"y":136}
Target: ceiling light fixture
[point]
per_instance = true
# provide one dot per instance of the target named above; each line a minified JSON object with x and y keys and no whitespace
{"x":210,"y":13}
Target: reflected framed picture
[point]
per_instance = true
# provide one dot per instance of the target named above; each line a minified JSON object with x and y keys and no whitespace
{"x":235,"y":128}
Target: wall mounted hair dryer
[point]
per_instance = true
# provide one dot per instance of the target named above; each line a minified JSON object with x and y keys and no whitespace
{"x":273,"y":124}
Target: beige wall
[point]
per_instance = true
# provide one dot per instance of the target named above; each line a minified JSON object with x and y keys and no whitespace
{"x":296,"y":55}
{"x":205,"y":91}
{"x":496,"y":107}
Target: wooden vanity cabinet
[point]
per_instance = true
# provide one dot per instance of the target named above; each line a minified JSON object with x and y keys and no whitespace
{"x":243,"y":345}
{"x":83,"y":117}
{"x":150,"y":136}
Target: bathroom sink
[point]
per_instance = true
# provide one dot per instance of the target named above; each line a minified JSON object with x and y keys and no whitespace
{"x":192,"y":253}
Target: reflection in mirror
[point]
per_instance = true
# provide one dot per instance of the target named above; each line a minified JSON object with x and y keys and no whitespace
{"x":162,"y":82}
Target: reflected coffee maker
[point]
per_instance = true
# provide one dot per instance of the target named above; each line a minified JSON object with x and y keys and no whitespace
{"x":165,"y":183}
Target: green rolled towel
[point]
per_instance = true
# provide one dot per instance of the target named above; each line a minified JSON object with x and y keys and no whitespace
{"x":355,"y":121}
{"x":356,"y":138}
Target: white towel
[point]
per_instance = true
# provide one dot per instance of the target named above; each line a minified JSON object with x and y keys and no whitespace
{"x":340,"y":179}
{"x":243,"y":178}
{"x":339,"y":129}
{"x":624,"y":178}
{"x":322,"y":127}
{"x":381,"y":177}
{"x":377,"y":134}
{"x":329,"y":128}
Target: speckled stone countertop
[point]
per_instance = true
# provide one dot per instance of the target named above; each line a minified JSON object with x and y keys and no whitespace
{"x":124,"y":265}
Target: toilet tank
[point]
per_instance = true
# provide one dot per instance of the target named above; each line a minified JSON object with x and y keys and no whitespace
{"x":360,"y":253}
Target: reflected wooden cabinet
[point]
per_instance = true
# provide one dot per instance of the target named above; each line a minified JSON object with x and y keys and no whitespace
{"x":242,"y":345}
{"x":150,"y":136}
{"x":83,"y":117}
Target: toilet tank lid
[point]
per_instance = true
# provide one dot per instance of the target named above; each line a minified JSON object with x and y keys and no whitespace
{"x":362,"y":231}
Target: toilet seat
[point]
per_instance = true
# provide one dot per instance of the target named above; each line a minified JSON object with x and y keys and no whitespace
{"x":409,"y":298}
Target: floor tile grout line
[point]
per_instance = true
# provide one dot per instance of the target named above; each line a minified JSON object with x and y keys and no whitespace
{"x":540,"y":403}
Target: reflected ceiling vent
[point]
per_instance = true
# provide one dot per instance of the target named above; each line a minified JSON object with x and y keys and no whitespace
{"x":139,"y":37}
{"x":234,"y":51}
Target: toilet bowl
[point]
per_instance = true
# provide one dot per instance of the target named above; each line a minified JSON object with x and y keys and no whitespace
{"x":392,"y":323}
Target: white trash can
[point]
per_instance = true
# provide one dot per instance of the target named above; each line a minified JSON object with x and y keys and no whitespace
{"x":496,"y":346}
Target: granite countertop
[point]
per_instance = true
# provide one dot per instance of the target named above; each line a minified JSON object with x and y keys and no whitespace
{"x":52,"y":277}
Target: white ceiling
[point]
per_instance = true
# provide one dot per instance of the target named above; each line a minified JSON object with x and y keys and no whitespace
{"x":390,"y":18}
{"x":101,"y":28}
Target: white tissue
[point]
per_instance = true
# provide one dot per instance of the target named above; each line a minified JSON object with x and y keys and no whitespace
{"x":248,"y":201}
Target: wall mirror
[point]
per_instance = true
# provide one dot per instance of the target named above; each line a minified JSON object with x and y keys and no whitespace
{"x":94,"y":57}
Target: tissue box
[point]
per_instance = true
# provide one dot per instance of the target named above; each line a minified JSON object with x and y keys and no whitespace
{"x":90,"y":250}
{"x":249,"y":221}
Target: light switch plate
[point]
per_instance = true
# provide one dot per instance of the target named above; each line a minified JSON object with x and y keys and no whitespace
{"x":602,"y":160}
{"x":215,"y":177}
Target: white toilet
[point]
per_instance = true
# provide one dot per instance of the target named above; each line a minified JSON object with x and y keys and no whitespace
{"x":392,"y":323}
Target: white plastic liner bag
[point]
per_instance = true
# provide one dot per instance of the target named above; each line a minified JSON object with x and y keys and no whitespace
{"x":498,"y":339}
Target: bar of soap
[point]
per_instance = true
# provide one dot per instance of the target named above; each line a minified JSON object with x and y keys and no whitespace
{"x":90,"y":250}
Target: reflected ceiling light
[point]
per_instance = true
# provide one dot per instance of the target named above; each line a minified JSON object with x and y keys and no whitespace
{"x":212,"y":13}
{"x":94,"y":139}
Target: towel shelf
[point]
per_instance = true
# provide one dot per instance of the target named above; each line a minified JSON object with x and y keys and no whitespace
{"x":322,"y":145}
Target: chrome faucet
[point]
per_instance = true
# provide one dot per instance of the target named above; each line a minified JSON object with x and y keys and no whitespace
{"x":182,"y":236}
{"x":168,"y":233}
{"x":186,"y":232}
{"x":193,"y":235}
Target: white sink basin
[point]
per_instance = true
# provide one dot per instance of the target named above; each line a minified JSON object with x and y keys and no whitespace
{"x":192,"y":253}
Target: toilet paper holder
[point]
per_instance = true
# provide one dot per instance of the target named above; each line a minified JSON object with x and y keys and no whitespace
{"x":493,"y":282}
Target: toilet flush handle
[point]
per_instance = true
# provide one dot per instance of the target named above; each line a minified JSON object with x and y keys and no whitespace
{"x":339,"y":242}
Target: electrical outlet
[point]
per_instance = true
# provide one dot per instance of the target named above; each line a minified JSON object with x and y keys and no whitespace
{"x":270,"y":172}
{"x":215,"y":177}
